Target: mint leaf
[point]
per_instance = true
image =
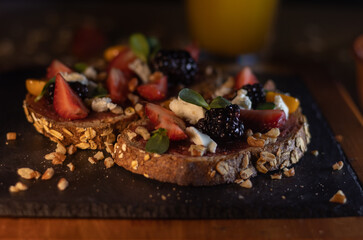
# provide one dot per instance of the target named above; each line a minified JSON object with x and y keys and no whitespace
{"x":154,"y":46}
{"x":265,"y":106}
{"x":100,"y":91}
{"x":159,"y":142}
{"x":44,"y":90}
{"x":140,"y":46}
{"x":80,"y":67}
{"x":191,"y":96}
{"x":219,"y":102}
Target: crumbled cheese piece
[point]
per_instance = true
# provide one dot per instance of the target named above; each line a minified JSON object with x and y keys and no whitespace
{"x":141,"y":69}
{"x":201,"y":139}
{"x":90,"y":72}
{"x":242,"y":100}
{"x":192,"y":113}
{"x":75,"y":77}
{"x":280,"y":104}
{"x":101,"y":104}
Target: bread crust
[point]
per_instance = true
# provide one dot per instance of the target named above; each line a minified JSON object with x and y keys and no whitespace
{"x":93,"y":132}
{"x":211,"y":169}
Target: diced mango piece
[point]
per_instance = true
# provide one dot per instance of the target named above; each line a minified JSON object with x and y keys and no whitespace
{"x":35,"y":86}
{"x":291,"y":102}
{"x":111,"y":52}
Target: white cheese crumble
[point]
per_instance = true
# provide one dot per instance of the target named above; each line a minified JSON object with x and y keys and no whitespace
{"x":199,"y":138}
{"x":192,"y":113}
{"x":141,"y":69}
{"x":242,"y":100}
{"x":90,"y":72}
{"x":280,"y":104}
{"x":100,"y":104}
{"x":75,"y":77}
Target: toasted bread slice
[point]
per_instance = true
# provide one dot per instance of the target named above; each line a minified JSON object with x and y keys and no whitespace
{"x":232,"y":162}
{"x":92,"y":132}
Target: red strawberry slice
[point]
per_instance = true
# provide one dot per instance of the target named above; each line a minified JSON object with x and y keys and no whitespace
{"x":245,"y":76}
{"x":56,"y":67}
{"x":164,"y":118}
{"x":193,"y":51}
{"x":66,"y":102}
{"x":122,"y":61}
{"x":262,"y":120}
{"x":117,"y":86}
{"x":154,"y":91}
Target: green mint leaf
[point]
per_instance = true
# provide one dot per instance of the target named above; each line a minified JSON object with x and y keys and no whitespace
{"x":100,"y":91}
{"x":44,"y":90}
{"x":80,"y":67}
{"x":191,"y":96}
{"x":140,"y":46}
{"x":154,"y":46}
{"x":265,"y":106}
{"x":159,"y":142}
{"x":219,"y":102}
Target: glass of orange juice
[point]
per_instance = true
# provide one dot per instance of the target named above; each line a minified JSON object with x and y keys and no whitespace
{"x":230,"y":27}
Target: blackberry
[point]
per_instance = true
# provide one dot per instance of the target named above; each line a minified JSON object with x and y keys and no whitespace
{"x":178,"y":65}
{"x":80,"y":89}
{"x":256,"y":94}
{"x":222,"y":124}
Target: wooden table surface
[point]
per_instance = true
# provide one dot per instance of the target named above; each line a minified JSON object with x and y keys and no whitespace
{"x":343,"y":117}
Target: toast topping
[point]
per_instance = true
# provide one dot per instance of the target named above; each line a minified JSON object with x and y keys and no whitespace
{"x":201,"y":139}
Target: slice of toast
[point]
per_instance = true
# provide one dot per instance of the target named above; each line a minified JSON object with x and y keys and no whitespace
{"x":232,"y":162}
{"x":93,"y":132}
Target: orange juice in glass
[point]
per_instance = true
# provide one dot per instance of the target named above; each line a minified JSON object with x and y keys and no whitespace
{"x":230,"y":27}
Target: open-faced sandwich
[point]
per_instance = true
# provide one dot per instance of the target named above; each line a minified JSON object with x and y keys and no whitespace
{"x":191,"y":141}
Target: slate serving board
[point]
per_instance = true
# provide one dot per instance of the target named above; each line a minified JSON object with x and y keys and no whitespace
{"x":97,"y":192}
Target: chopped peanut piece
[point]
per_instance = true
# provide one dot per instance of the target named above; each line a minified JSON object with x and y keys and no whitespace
{"x":91,"y":160}
{"x":71,"y":149}
{"x":48,"y":174}
{"x":289,"y":172}
{"x":99,"y":156}
{"x":246,"y":184}
{"x":61,"y":149}
{"x":339,"y":197}
{"x":338,"y":165}
{"x":21,"y":186}
{"x":108,"y":162}
{"x":70,"y":166}
{"x":62,"y":184}
{"x":27,"y":173}
{"x":11,"y":136}
{"x":315,"y":153}
{"x":276,"y":176}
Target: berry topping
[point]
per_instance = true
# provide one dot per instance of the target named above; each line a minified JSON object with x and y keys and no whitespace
{"x":194,"y":51}
{"x":164,"y":118}
{"x":66,"y":103}
{"x":122,"y":61}
{"x":256,"y":94}
{"x":156,"y":90}
{"x":57,"y":67}
{"x":117,"y":86}
{"x":222,"y":124}
{"x":291,"y":102}
{"x":80,"y":89}
{"x":245,"y":76}
{"x":178,"y":65}
{"x":262,"y":120}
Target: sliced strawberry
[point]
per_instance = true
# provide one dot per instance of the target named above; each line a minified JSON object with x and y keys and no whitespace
{"x":56,"y":67}
{"x":262,"y":120}
{"x":245,"y":76}
{"x":117,"y":86}
{"x":122,"y":61}
{"x":66,"y":103}
{"x":154,"y":91}
{"x":193,"y":50}
{"x":164,"y":118}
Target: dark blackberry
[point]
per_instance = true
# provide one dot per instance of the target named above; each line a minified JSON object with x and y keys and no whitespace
{"x":222,"y":124}
{"x":80,"y":89}
{"x":256,"y":94}
{"x":178,"y":65}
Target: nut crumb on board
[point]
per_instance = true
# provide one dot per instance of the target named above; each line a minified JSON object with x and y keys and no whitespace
{"x":11,"y":136}
{"x":99,"y":156}
{"x":70,"y":166}
{"x":62,"y":184}
{"x":315,"y":153}
{"x":108,"y":162}
{"x":338,"y":165}
{"x":339,"y":197}
{"x":28,"y":173}
{"x":19,"y":186}
{"x":246,"y":184}
{"x":91,"y":160}
{"x":48,"y":174}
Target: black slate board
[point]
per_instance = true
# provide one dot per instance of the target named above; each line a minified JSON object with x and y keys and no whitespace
{"x":115,"y":193}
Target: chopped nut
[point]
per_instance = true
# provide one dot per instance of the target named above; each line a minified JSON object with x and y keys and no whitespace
{"x":276,"y":176}
{"x":129,"y":111}
{"x":11,"y":136}
{"x":338,"y":165}
{"x":132,"y":84}
{"x":300,"y":144}
{"x":37,"y":175}
{"x":139,"y":108}
{"x":254,"y":142}
{"x":222,"y":167}
{"x":13,"y":189}
{"x":289,"y":172}
{"x":57,"y":158}
{"x":294,"y":157}
{"x":21,"y":186}
{"x":110,"y":149}
{"x":70,"y":166}
{"x":92,"y":144}
{"x":146,"y":175}
{"x":273,"y":133}
{"x":134,"y":165}
{"x":62,"y":184}
{"x":245,"y":161}
{"x":61,"y":149}
{"x":261,"y":168}
{"x":56,"y":134}
{"x":246,"y":173}
{"x":197,"y":150}
{"x":99,"y":156}
{"x":143,"y":132}
{"x":285,"y":164}
{"x":212,"y":174}
{"x":27,"y":173}
{"x":48,"y":174}
{"x":133,"y":98}
{"x":266,"y":158}
{"x":83,"y":145}
{"x":246,"y":184}
{"x":123,"y":147}
{"x":146,"y":157}
{"x":131,"y":135}
{"x":71,"y":149}
{"x":67,"y":132}
{"x":108,"y":162}
{"x":315,"y":153}
{"x":91,"y":160}
{"x":339,"y":197}
{"x":117,"y":110}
